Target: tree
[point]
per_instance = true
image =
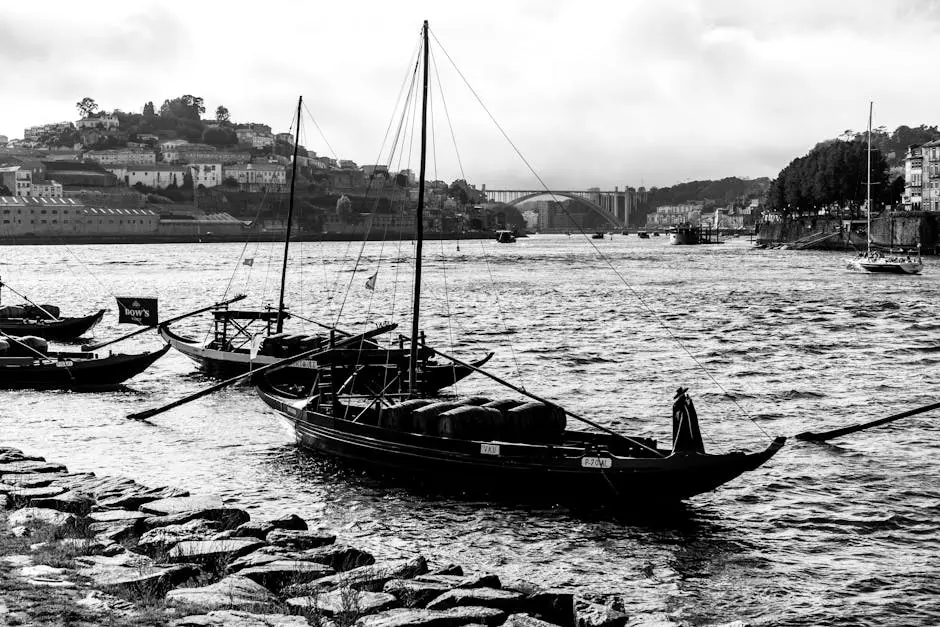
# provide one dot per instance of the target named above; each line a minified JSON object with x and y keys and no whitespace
{"x":222,"y":115}
{"x":86,"y":106}
{"x":149,"y":110}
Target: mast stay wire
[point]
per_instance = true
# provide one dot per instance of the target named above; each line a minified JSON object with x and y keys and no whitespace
{"x":499,"y":309}
{"x":607,"y":261}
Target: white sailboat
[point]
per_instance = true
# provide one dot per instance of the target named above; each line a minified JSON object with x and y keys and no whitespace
{"x":873,"y":260}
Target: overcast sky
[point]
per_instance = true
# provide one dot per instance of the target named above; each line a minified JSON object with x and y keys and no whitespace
{"x":594,"y":94}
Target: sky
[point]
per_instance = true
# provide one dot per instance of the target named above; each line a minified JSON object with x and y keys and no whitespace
{"x":589,"y":93}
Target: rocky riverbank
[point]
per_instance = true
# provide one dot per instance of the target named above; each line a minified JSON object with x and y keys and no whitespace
{"x":77,"y":549}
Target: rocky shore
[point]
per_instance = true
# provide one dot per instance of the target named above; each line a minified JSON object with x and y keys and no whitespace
{"x":77,"y":549}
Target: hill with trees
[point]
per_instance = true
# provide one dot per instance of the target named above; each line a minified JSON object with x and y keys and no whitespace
{"x":712,"y":193}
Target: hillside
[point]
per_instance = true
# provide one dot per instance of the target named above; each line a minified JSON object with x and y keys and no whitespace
{"x":721,"y":192}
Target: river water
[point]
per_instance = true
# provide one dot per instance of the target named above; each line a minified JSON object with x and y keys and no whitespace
{"x":770,"y":343}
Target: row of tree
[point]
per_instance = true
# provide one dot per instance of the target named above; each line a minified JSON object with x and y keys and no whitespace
{"x":834,"y":176}
{"x":186,"y":107}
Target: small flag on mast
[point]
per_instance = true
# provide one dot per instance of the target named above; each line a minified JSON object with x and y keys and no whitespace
{"x":249,"y":261}
{"x":256,"y":343}
{"x":370,"y":282}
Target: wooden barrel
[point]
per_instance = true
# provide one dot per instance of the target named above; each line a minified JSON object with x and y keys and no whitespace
{"x":426,"y":418}
{"x":476,"y":400}
{"x":534,"y":423}
{"x":504,"y":404}
{"x":471,"y":423}
{"x":12,"y":311}
{"x":29,"y":346}
{"x":399,"y":416}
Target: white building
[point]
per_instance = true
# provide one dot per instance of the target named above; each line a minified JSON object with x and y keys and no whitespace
{"x":254,"y":176}
{"x":155,"y":176}
{"x":123,"y":156}
{"x":107,"y":122}
{"x":48,"y":189}
{"x":206,"y":174}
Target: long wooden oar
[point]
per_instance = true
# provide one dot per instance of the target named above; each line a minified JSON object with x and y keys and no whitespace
{"x":539,"y":398}
{"x":313,"y":353}
{"x":91,"y":347}
{"x":809,"y":436}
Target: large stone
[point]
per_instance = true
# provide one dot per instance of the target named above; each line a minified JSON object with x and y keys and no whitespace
{"x":414,"y":593}
{"x":281,"y":573}
{"x":37,"y":480}
{"x":133,"y":574}
{"x":371,"y":578}
{"x":463,"y":581}
{"x":589,"y":614}
{"x":17,"y":496}
{"x":161,"y":539}
{"x":450,"y":569}
{"x":227,"y":517}
{"x":660,"y":619}
{"x":71,"y":501}
{"x":339,"y":557}
{"x":290,"y":521}
{"x":179,"y":505}
{"x":137,"y":495}
{"x":524,"y":620}
{"x":212,"y":553}
{"x":117,"y":515}
{"x":345,"y":601}
{"x":236,"y":618}
{"x":456,"y":617}
{"x":37,"y":515}
{"x":300,"y":539}
{"x":552,"y":605}
{"x":116,"y":531}
{"x":233,"y":592}
{"x":29,"y":466}
{"x":253,"y":529}
{"x":506,"y":600}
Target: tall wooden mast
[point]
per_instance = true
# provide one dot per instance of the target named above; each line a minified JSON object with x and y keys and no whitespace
{"x":290,"y":217}
{"x":419,"y":221}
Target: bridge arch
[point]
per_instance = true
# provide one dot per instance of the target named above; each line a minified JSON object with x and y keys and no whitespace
{"x":596,"y":208}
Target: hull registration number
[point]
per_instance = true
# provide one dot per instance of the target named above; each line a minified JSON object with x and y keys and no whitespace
{"x":489,"y":449}
{"x":595,"y":462}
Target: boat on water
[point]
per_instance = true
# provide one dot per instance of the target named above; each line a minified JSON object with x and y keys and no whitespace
{"x":642,"y":234}
{"x":505,"y":237}
{"x":875,"y":261}
{"x":43,"y":320}
{"x":685,"y":235}
{"x":598,"y":235}
{"x":518,"y":447}
{"x":243,"y":340}
{"x":28,"y":363}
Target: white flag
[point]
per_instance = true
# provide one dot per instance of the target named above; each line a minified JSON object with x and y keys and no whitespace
{"x":256,"y":343}
{"x":370,"y":282}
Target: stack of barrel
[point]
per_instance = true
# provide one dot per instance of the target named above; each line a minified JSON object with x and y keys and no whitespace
{"x":35,"y":312}
{"x":479,"y":418}
{"x":26,"y":346}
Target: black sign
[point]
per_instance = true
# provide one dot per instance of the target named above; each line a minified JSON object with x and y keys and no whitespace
{"x":142,"y":311}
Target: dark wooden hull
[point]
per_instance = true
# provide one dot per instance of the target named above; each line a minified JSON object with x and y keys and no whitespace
{"x":74,"y":370}
{"x":891,"y":268}
{"x":522,"y":472}
{"x":62,"y":329}
{"x":225,"y":364}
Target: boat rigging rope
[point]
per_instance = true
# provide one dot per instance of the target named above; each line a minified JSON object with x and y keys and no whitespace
{"x":620,"y":276}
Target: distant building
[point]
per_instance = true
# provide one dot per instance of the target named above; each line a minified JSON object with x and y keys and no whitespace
{"x":4,"y":140}
{"x":105,"y":121}
{"x":253,"y":177}
{"x":155,"y":176}
{"x":34,"y":133}
{"x":206,"y":174}
{"x":17,"y":179}
{"x":346,"y":164}
{"x":922,"y":177}
{"x":256,"y":136}
{"x":912,"y":200}
{"x":287,"y":138}
{"x":49,"y":189}
{"x":122,"y":156}
{"x":671,"y":215}
{"x":21,"y":217}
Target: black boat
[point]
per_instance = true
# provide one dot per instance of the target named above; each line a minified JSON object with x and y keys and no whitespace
{"x":500,"y":446}
{"x":73,"y":370}
{"x":43,"y":320}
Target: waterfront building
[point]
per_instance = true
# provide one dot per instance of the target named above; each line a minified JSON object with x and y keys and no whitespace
{"x":931,"y":176}
{"x":39,"y":216}
{"x":912,"y":199}
{"x":671,"y":215}
{"x":122,"y":156}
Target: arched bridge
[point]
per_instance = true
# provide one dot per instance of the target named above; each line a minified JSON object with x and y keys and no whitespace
{"x":613,"y":206}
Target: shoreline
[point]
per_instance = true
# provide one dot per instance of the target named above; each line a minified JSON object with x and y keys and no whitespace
{"x":107,"y":550}
{"x":235,"y":238}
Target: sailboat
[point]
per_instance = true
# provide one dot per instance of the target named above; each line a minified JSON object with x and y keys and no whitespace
{"x":873,"y":260}
{"x":498,"y":445}
{"x":238,"y":345}
{"x":43,"y":320}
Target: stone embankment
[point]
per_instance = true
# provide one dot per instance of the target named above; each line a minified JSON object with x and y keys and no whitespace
{"x":85,"y":550}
